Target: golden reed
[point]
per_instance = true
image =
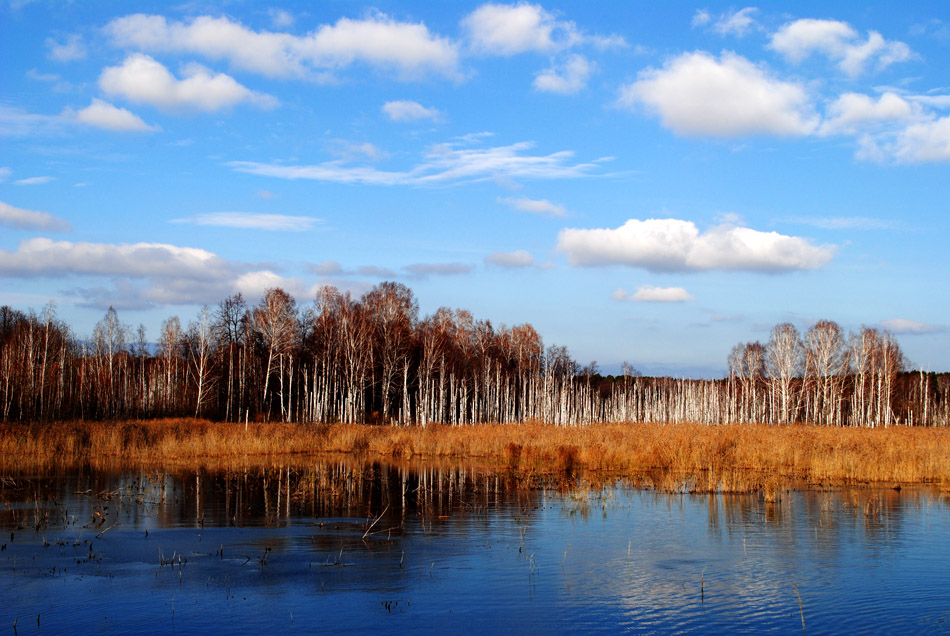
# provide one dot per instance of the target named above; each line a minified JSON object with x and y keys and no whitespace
{"x":718,"y":458}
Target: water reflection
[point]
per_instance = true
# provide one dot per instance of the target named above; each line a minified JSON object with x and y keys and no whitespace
{"x":343,"y":546}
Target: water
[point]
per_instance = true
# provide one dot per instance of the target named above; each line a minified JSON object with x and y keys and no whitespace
{"x":340,"y":548}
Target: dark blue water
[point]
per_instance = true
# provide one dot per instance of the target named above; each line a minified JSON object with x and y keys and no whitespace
{"x":335,"y":548}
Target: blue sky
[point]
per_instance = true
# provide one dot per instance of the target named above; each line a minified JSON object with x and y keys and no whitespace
{"x":649,"y":182}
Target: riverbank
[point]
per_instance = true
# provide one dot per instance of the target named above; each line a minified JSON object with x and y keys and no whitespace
{"x":725,"y":458}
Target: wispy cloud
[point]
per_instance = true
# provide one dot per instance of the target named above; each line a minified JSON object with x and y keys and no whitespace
{"x":406,"y":110}
{"x":535,"y":206}
{"x":651,"y":294}
{"x":34,"y":180}
{"x":20,"y":219}
{"x":844,"y":223}
{"x":252,"y":221}
{"x":414,"y":271}
{"x":443,"y":164}
{"x":911,"y":327}
{"x":512,"y":260}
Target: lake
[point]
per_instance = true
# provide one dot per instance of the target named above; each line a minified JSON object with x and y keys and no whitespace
{"x":343,"y":546}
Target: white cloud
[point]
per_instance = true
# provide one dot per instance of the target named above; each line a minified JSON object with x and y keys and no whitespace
{"x":377,"y":40}
{"x":141,"y":274}
{"x":695,"y":94}
{"x":44,"y":257}
{"x":5,"y":173}
{"x":839,"y":42}
{"x":280,"y":18}
{"x":20,"y":219}
{"x":143,"y":80}
{"x":499,"y":29}
{"x":911,"y":327}
{"x":101,"y":114}
{"x":852,"y":112}
{"x":736,"y":22}
{"x":535,"y":206}
{"x":72,"y":49}
{"x":845,"y":223}
{"x":327,"y":268}
{"x":651,"y":294}
{"x":251,"y":221}
{"x":505,"y":29}
{"x":424,"y":270}
{"x":702,"y":17}
{"x":34,"y":180}
{"x":350,"y":151}
{"x":671,"y":245}
{"x":406,"y":110}
{"x":255,"y":284}
{"x":516,"y":259}
{"x":921,"y":142}
{"x":16,"y":122}
{"x":565,"y":79}
{"x":416,"y":271}
{"x":444,"y":163}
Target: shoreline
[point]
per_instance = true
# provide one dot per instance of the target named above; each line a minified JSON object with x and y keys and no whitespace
{"x":727,"y":458}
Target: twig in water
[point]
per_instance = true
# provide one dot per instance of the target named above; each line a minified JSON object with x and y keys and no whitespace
{"x":801,"y":610}
{"x":375,"y":521}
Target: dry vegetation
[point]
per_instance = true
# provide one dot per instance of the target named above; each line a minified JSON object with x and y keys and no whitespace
{"x":701,"y":457}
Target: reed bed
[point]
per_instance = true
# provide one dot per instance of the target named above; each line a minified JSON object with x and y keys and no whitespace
{"x":728,"y":458}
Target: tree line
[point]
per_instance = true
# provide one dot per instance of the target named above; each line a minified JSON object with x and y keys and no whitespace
{"x":374,"y":359}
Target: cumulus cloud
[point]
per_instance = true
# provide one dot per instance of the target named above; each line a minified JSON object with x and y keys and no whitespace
{"x":839,"y":42}
{"x":143,"y":80}
{"x":565,"y":79}
{"x":72,"y":49}
{"x":20,"y":219}
{"x":141,"y":274}
{"x":516,"y":259}
{"x":101,"y":114}
{"x":443,"y":164}
{"x":921,"y":142}
{"x":672,"y":245}
{"x":651,"y":294}
{"x":535,"y":206}
{"x":406,"y":110}
{"x":45,"y":257}
{"x":695,"y":94}
{"x":852,"y":112}
{"x":500,"y":29}
{"x":505,"y":29}
{"x":251,"y":221}
{"x":377,"y":40}
{"x":911,"y":327}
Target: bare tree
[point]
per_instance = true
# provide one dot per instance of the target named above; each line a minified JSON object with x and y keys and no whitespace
{"x":199,"y":346}
{"x":785,"y":362}
{"x":275,"y":319}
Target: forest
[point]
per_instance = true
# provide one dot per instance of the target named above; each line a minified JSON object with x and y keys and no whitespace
{"x":373,"y":359}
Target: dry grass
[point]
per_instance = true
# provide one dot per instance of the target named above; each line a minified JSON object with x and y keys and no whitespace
{"x":715,"y":458}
